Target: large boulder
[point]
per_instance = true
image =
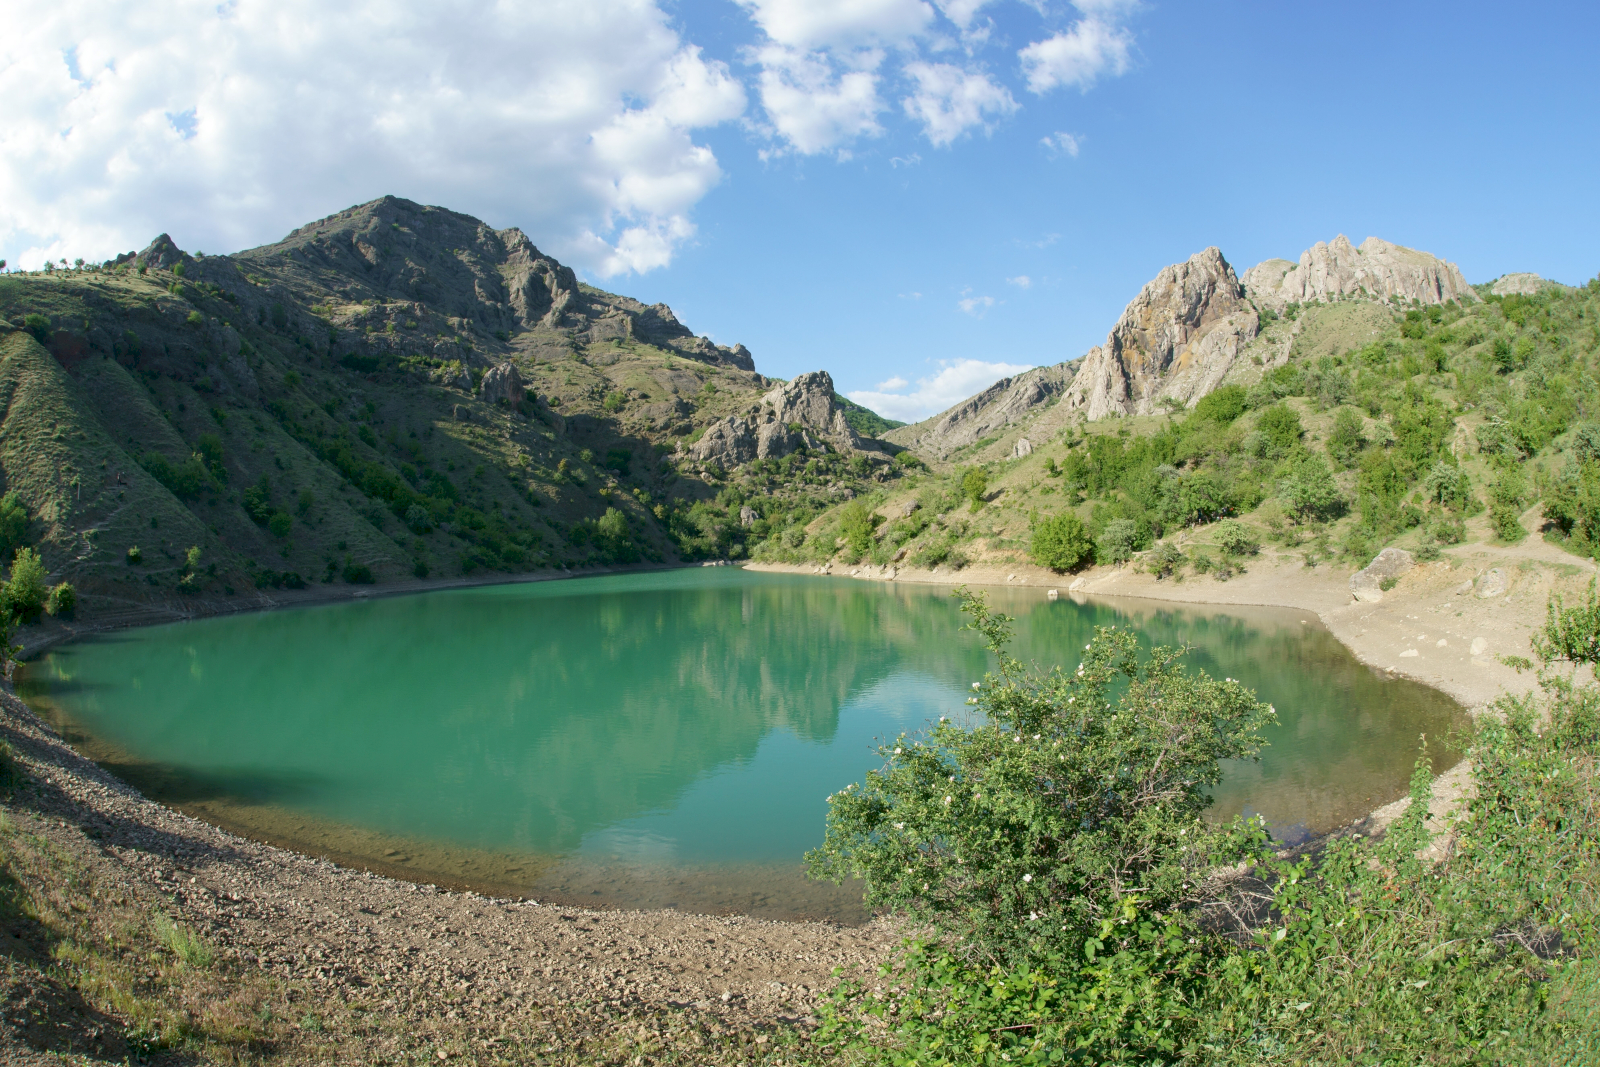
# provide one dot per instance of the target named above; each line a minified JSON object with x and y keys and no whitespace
{"x":1366,"y":584}
{"x":502,"y":383}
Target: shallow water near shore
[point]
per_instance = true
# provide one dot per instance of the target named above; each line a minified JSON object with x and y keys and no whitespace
{"x":652,"y":740}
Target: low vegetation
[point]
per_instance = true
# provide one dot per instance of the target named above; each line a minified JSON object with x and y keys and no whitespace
{"x":1073,"y":906}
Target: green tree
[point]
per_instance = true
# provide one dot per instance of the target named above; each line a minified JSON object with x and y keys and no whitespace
{"x":974,"y":486}
{"x":1347,"y":438}
{"x":1235,"y":538}
{"x":1061,"y":542}
{"x":1117,"y":541}
{"x":1222,"y":405}
{"x":63,"y":601}
{"x":13,"y":524}
{"x":25,"y":590}
{"x":1280,"y":424}
{"x":855,"y":526}
{"x":1309,"y":491}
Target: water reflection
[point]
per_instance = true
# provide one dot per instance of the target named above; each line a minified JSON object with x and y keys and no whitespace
{"x":687,"y":718}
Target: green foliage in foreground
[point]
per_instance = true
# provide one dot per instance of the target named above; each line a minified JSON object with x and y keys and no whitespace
{"x":1075,"y":908}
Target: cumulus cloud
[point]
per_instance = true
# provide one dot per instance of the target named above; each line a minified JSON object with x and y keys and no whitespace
{"x":229,"y":125}
{"x":816,"y":24}
{"x":975,"y":305}
{"x":812,"y":105}
{"x":954,"y":382}
{"x":1021,"y":281}
{"x":949,"y":101}
{"x":1093,"y":46}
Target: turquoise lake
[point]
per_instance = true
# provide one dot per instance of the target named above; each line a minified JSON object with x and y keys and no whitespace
{"x":651,"y":740}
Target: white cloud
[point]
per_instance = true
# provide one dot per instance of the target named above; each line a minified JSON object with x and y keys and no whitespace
{"x":1094,"y":45}
{"x":949,"y":101}
{"x":961,"y":12}
{"x":975,"y":305}
{"x":1061,"y":144}
{"x":956,"y":381}
{"x":814,"y":24}
{"x":1021,"y":281}
{"x":910,"y":296}
{"x":227,"y":126}
{"x":812,"y":105}
{"x":905,"y":161}
{"x":896,"y":382}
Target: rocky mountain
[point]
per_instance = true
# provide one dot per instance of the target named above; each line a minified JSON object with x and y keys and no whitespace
{"x":1523,"y":284}
{"x":1008,"y":403}
{"x":1176,"y":340}
{"x":1193,"y":327}
{"x":392,"y":392}
{"x":1337,"y":270}
{"x":794,"y":415}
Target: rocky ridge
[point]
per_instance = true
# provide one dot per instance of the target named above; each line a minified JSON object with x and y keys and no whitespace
{"x":1337,"y":270}
{"x":796,"y":414}
{"x":1004,"y":404}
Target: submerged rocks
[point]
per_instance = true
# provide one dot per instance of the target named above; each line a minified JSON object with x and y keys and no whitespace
{"x":1366,"y":585}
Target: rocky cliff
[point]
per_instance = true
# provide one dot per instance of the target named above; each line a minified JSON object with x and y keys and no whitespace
{"x":796,"y":414}
{"x":1337,"y":270}
{"x":1004,"y":404}
{"x":1176,"y":340}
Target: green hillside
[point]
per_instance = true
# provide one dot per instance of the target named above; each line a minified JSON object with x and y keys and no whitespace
{"x":327,"y":409}
{"x":1419,"y":427}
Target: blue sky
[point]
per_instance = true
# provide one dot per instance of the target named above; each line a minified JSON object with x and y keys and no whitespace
{"x":896,"y":191}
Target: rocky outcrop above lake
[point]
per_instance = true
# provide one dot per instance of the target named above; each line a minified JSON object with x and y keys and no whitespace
{"x":1176,"y":340}
{"x":1525,"y":284}
{"x":988,"y":414}
{"x":796,"y":414}
{"x":1338,"y":270}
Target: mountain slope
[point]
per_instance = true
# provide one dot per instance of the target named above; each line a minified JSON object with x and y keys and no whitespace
{"x":393,"y":391}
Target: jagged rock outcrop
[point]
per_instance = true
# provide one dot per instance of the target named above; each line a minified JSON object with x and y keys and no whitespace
{"x":502,"y":384}
{"x":792,"y":415}
{"x":1525,"y":284}
{"x":1006,"y":402}
{"x":1337,"y":270}
{"x":1176,"y":339}
{"x":1366,"y":584}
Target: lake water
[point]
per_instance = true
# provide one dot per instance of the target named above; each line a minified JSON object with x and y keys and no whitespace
{"x":651,"y":740}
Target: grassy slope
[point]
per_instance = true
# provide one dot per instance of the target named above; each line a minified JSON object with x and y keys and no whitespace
{"x":1358,"y":356}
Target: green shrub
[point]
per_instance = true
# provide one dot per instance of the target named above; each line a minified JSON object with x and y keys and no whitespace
{"x":1309,"y":491}
{"x":63,"y":601}
{"x":358,"y":574}
{"x":13,"y":524}
{"x":37,"y":325}
{"x":975,"y":486}
{"x":856,"y":524}
{"x":195,"y":318}
{"x":279,"y":523}
{"x":135,"y":557}
{"x":1235,"y":538}
{"x":25,"y":590}
{"x":1061,"y":542}
{"x":1506,"y":521}
{"x":1003,"y":844}
{"x":1222,"y":405}
{"x":1280,"y":424}
{"x":1166,"y":559}
{"x":1117,"y":541}
{"x":1347,"y":438}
